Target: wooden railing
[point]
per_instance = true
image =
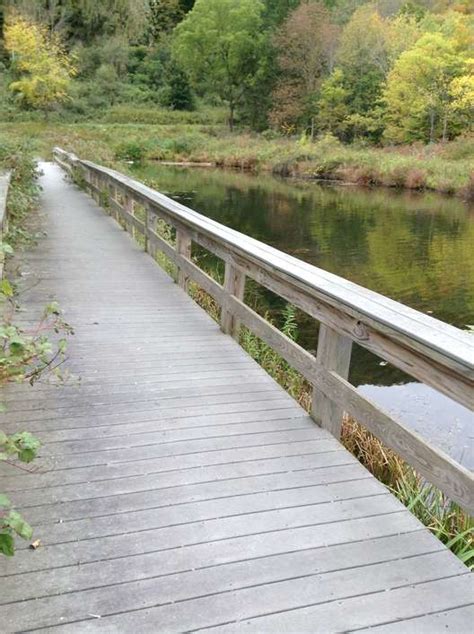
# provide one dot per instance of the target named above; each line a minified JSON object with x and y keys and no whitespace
{"x":429,"y":350}
{"x":4,"y":184}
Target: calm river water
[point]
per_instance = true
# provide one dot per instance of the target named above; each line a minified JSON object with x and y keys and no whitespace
{"x":415,"y":248}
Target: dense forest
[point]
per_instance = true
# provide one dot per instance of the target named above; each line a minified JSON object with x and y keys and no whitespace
{"x":393,"y":71}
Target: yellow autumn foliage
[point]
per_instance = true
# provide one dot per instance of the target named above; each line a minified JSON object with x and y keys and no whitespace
{"x":42,"y":69}
{"x":462,"y":91}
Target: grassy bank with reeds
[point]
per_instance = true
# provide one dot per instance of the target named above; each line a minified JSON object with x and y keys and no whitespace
{"x":444,"y":168}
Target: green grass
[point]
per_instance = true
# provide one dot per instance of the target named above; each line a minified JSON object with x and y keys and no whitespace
{"x":445,"y":519}
{"x":204,"y":138}
{"x":126,"y":114}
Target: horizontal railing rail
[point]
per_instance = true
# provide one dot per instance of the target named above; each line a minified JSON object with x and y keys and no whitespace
{"x":427,"y":349}
{"x":4,"y":185}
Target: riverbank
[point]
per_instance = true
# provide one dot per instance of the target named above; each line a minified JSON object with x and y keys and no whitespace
{"x":442,"y":168}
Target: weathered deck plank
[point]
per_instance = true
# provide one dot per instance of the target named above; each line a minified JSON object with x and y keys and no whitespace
{"x":181,"y":488}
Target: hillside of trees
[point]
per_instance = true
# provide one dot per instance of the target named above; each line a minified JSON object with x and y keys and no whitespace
{"x":393,"y":71}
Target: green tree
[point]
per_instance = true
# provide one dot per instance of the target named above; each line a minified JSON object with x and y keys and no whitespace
{"x":107,"y":82}
{"x":186,"y":5}
{"x":257,"y":96}
{"x":364,"y":59}
{"x":462,"y":93}
{"x":146,"y":66}
{"x":217,"y":44}
{"x":306,"y":43}
{"x":363,"y":43}
{"x":332,"y":107}
{"x":453,"y":25}
{"x":419,"y":88}
{"x":179,"y":95}
{"x":412,"y":9}
{"x":3,"y":52}
{"x":164,"y":15}
{"x":403,"y":31}
{"x":277,"y":10}
{"x":257,"y":101}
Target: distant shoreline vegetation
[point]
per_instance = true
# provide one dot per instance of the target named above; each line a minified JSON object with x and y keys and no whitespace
{"x":444,"y":167}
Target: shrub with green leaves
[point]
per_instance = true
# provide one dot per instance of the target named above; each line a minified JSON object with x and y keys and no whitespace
{"x":11,"y":524}
{"x":130,"y":151}
{"x":24,"y":446}
{"x":24,"y":190}
{"x":26,"y":354}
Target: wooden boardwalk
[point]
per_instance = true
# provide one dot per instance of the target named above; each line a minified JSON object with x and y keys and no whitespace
{"x":181,"y":488}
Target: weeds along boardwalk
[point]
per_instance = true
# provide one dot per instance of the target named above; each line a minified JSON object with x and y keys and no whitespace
{"x":181,"y":489}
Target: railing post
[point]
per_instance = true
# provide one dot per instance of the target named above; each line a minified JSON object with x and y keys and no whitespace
{"x":147,"y":227}
{"x":334,"y":354}
{"x":88,"y":179}
{"x":99,"y":187}
{"x":119,"y":200}
{"x":183,"y":247}
{"x":152,"y":225}
{"x":129,"y":208}
{"x":97,"y":193}
{"x":92,"y":181}
{"x":111,"y":191}
{"x":234,"y":284}
{"x":4,"y":185}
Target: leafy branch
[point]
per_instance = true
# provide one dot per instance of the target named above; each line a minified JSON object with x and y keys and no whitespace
{"x":26,"y":354}
{"x":23,"y":446}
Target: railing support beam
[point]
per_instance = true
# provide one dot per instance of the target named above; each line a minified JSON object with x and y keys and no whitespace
{"x":334,"y":354}
{"x":148,"y":220}
{"x":129,"y":207}
{"x":234,"y":284}
{"x":183,"y":247}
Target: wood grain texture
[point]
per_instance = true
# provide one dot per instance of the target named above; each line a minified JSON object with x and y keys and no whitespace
{"x":183,"y":248}
{"x":403,"y":354}
{"x":234,"y":284}
{"x":333,"y":354}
